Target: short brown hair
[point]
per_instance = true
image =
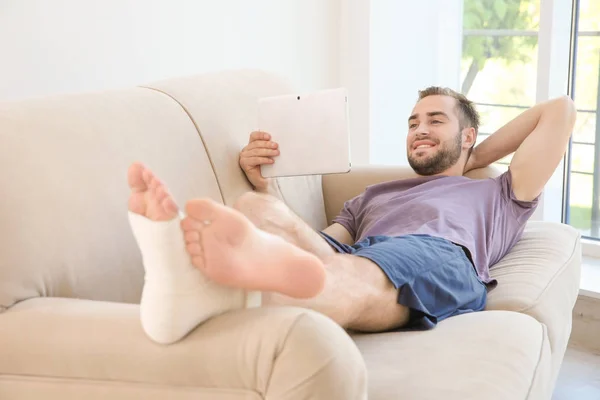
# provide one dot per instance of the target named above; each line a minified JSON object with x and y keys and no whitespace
{"x":467,"y":114}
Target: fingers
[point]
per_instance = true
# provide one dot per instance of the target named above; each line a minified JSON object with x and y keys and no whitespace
{"x":260,"y":139}
{"x":260,"y":152}
{"x":251,"y":162}
{"x":257,"y":135}
{"x":264,"y":144}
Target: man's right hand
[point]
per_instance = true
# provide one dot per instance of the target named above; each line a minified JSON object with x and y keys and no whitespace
{"x":260,"y":150}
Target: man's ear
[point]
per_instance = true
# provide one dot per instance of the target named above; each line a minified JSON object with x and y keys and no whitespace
{"x":469,"y":137}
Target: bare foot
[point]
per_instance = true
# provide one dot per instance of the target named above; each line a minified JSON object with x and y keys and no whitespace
{"x":231,"y":251}
{"x":149,"y":196}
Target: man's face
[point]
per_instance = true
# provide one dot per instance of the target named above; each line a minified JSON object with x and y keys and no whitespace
{"x":434,"y":141}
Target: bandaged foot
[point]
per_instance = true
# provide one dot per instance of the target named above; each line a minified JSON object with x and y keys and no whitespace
{"x":230,"y":250}
{"x":177,"y":296}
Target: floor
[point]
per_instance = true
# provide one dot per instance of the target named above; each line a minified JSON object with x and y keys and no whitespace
{"x":590,"y":277}
{"x":579,"y":377}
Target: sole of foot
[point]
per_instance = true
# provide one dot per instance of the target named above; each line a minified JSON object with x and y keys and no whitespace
{"x":231,"y":251}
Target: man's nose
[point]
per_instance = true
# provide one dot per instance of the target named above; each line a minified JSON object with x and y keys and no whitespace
{"x":422,"y":130}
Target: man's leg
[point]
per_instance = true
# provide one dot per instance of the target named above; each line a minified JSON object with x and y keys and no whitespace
{"x":230,"y":249}
{"x":357,"y":294}
{"x":227,"y":248}
{"x":271,"y":215}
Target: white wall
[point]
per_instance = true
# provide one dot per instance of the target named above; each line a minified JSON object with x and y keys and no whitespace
{"x":355,"y":26}
{"x":413,"y":45}
{"x":397,"y":47}
{"x":383,"y":51}
{"x":65,"y":46}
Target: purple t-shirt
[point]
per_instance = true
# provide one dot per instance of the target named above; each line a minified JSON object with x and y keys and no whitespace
{"x":482,"y":215}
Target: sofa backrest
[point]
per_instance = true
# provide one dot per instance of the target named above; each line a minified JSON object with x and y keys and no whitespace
{"x":63,"y":163}
{"x":337,"y":189}
{"x":224,"y":108}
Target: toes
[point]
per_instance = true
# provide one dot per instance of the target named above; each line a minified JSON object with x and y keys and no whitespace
{"x":194,"y":249}
{"x":170,"y":206}
{"x":150,"y":179}
{"x":192,"y":241}
{"x":192,"y":237}
{"x":156,"y":183}
{"x":161,"y":194}
{"x":165,"y":201}
{"x":198,"y":261}
{"x":137,"y":204}
{"x":147,"y":176}
{"x":190,"y":225}
{"x":135,"y":177}
{"x":150,"y":196}
{"x":152,"y":191}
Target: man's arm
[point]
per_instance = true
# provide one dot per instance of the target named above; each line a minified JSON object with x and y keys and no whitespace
{"x":339,"y":233}
{"x":272,"y":188}
{"x":335,"y":230}
{"x":539,"y":138}
{"x":261,"y":150}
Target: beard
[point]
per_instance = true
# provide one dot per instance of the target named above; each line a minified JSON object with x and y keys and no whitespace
{"x":448,"y":154}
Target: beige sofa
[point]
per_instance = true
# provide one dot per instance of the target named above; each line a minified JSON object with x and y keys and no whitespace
{"x":71,"y":274}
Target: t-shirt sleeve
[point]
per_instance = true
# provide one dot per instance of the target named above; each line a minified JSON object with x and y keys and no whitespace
{"x":348,"y":216}
{"x":521,"y":210}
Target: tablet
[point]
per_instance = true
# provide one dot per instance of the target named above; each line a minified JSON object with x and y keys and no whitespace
{"x":311,"y":130}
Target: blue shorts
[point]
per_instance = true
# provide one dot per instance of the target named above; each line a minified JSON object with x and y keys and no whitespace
{"x":434,"y":277}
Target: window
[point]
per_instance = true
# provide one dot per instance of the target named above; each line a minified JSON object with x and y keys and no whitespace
{"x":499,"y":60}
{"x":583,"y":178}
{"x":501,"y":47}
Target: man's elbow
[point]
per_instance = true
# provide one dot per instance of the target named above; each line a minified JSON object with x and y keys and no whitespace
{"x":570,"y":108}
{"x":568,"y":101}
{"x":565,"y":107}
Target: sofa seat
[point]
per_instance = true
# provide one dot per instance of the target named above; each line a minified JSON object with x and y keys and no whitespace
{"x":491,"y":355}
{"x":58,"y":348}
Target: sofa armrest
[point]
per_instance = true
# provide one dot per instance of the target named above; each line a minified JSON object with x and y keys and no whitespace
{"x":258,"y":353}
{"x":540,"y":277}
{"x":338,"y":188}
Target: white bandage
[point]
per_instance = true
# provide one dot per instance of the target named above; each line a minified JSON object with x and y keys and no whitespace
{"x":177,"y":297}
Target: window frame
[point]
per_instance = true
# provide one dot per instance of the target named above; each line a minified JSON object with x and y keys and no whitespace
{"x":557,"y":49}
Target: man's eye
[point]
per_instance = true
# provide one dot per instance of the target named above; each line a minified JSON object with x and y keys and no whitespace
{"x":436,"y":122}
{"x":411,"y":126}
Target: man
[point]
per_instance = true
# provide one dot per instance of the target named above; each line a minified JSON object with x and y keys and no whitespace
{"x":404,"y":254}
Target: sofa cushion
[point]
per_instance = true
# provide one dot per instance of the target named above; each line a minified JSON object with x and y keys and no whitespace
{"x":492,"y":355}
{"x":258,"y":353}
{"x":540,"y":277}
